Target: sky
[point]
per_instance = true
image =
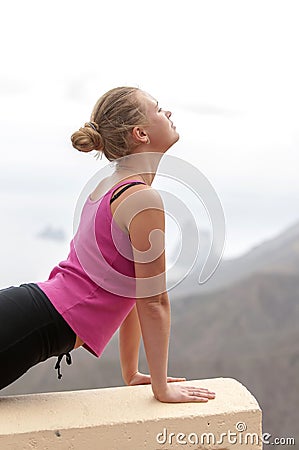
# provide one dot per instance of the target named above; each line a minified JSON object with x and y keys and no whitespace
{"x":226,"y":69}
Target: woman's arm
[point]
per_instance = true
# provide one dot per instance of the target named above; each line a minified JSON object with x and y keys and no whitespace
{"x":147,"y":234}
{"x":154,"y":316}
{"x":129,"y":343}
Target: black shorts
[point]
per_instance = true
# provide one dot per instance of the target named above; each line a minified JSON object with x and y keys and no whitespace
{"x":31,"y":331}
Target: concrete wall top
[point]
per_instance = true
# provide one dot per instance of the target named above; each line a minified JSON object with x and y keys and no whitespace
{"x":127,"y":418}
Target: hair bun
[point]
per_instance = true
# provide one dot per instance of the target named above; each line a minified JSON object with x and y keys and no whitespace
{"x":88,"y":138}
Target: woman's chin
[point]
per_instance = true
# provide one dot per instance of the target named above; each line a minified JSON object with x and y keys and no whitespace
{"x":176,"y":138}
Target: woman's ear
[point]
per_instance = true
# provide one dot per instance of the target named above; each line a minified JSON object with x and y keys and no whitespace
{"x":140,"y":135}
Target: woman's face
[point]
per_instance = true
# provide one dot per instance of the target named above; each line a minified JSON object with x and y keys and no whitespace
{"x":161,"y":131}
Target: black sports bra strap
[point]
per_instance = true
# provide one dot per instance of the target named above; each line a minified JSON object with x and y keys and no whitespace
{"x":123,"y":189}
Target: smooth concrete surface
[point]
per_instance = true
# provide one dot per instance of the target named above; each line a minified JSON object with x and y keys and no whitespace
{"x":131,"y":418}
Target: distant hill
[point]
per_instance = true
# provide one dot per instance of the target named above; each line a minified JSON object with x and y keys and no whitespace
{"x":49,"y":232}
{"x":246,"y":328}
{"x":278,"y":254}
{"x":249,"y":332}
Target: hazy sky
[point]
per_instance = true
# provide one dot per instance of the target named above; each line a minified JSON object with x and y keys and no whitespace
{"x":227,"y":69}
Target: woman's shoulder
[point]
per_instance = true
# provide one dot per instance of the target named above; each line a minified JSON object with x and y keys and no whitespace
{"x":148,"y":195}
{"x":140,"y":200}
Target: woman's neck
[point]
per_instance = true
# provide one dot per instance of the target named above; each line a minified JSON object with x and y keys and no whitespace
{"x":143,"y":165}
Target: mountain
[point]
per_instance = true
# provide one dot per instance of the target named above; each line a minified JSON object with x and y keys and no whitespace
{"x":249,"y":332}
{"x":49,"y":232}
{"x":279,"y":254}
{"x":246,"y":328}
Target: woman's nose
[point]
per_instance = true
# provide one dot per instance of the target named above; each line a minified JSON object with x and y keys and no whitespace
{"x":168,"y":114}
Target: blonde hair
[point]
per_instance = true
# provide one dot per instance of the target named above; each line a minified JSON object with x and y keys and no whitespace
{"x":113,"y":118}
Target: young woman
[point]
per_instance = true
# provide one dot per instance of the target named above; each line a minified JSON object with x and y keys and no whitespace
{"x":86,"y":298}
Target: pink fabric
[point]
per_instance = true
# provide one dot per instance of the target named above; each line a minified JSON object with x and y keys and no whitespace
{"x":94,"y":288}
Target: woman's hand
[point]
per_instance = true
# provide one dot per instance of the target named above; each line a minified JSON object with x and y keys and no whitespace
{"x":184,"y":394}
{"x":141,"y":378}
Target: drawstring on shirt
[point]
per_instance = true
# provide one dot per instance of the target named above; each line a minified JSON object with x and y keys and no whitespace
{"x":57,"y":365}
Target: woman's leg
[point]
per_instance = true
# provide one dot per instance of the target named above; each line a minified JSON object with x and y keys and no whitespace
{"x":31,"y":331}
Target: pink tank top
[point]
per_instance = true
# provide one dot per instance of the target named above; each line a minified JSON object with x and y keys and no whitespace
{"x":94,"y":288}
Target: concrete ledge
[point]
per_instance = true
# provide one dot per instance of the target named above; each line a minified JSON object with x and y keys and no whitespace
{"x":130,"y":418}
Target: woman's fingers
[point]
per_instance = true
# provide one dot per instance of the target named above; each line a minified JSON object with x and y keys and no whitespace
{"x":195,"y":393}
{"x":200,"y":394}
{"x":170,"y":379}
{"x":178,"y":393}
